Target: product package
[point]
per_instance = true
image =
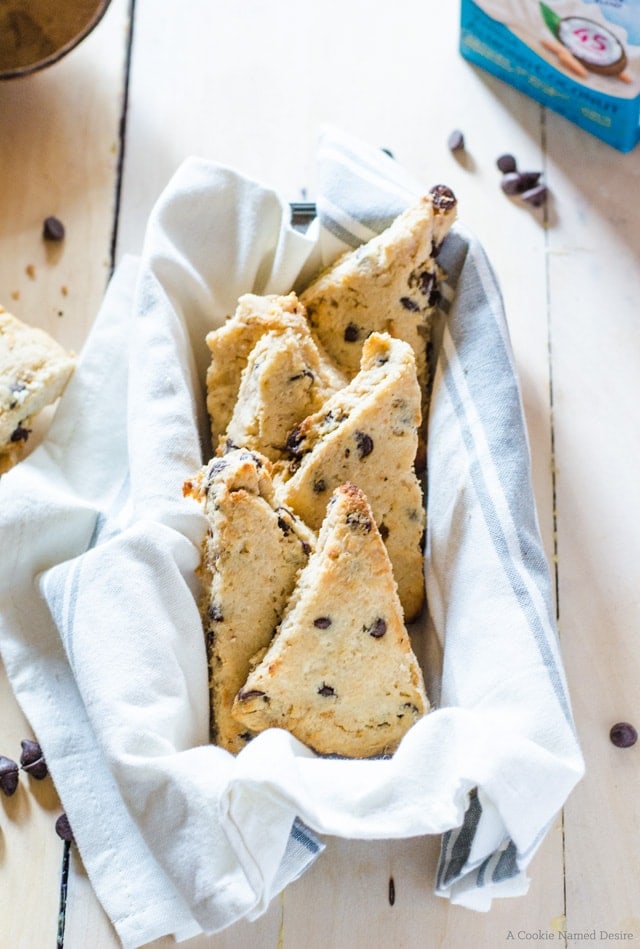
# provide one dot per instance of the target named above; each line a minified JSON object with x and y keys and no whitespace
{"x":580,"y":58}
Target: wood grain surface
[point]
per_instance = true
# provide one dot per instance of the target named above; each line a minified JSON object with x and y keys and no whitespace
{"x":94,"y":140}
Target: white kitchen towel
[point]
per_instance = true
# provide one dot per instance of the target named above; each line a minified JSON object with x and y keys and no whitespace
{"x":99,"y":626}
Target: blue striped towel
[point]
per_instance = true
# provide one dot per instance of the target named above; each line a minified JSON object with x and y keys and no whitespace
{"x":99,"y":626}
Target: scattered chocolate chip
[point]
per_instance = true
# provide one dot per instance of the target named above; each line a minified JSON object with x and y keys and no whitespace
{"x":409,"y":304}
{"x":528,"y":179}
{"x":351,"y":333}
{"x":9,"y":775}
{"x":506,"y":163}
{"x":32,"y":760}
{"x":443,"y":197}
{"x":20,"y":434}
{"x":53,"y":229}
{"x":535,"y":196}
{"x":326,"y":690}
{"x":319,"y":485}
{"x":63,"y":829}
{"x":384,"y":531}
{"x":246,"y":736}
{"x":378,"y":628}
{"x":392,"y":891}
{"x":252,"y":694}
{"x":455,"y":142}
{"x":322,"y":622}
{"x":306,"y":548}
{"x":364,"y":444}
{"x":284,"y":525}
{"x":623,"y":735}
{"x":510,"y":183}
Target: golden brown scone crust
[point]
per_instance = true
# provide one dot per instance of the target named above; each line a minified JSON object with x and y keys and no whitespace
{"x":251,"y":557}
{"x":367,"y":433}
{"x":340,"y":674}
{"x":34,"y":370}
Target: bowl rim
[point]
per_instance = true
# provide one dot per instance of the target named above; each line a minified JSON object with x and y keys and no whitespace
{"x":17,"y":72}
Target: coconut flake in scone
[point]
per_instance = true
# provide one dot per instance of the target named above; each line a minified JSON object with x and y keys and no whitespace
{"x":231,"y":344}
{"x":282,"y":382}
{"x":340,"y":674}
{"x":389,"y":284}
{"x":34,"y":370}
{"x":251,"y":557}
{"x":367,"y":433}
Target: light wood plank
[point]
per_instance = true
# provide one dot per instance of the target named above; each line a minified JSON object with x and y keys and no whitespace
{"x":594,"y":252}
{"x":59,"y":131}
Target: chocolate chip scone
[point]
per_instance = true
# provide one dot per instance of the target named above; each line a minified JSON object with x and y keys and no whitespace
{"x":34,"y":370}
{"x":367,"y":433}
{"x":340,"y":673}
{"x":389,"y":284}
{"x":251,"y":557}
{"x":282,"y":382}
{"x":232,"y":343}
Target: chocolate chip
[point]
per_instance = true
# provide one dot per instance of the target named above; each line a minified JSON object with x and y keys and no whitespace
{"x":506,"y":163}
{"x":326,"y":690}
{"x":53,"y":229}
{"x":215,"y":613}
{"x":392,"y":891}
{"x":32,"y":760}
{"x":252,"y":694}
{"x":9,"y":775}
{"x":364,"y":444}
{"x":378,"y":628}
{"x":294,"y":440}
{"x":322,"y":622}
{"x":384,"y":531}
{"x":284,"y":525}
{"x":427,"y":280}
{"x":535,"y":196}
{"x":443,"y":197}
{"x":623,"y":735}
{"x":358,"y":522}
{"x":319,"y":485}
{"x":20,"y":434}
{"x":301,"y":375}
{"x":510,"y":183}
{"x":528,"y":179}
{"x":351,"y":333}
{"x":455,"y":142}
{"x":63,"y":829}
{"x":409,"y":304}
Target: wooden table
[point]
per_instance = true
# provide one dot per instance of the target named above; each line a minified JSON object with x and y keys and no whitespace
{"x":95,"y":138}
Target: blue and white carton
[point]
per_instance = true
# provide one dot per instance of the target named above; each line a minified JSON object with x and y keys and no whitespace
{"x":580,"y":58}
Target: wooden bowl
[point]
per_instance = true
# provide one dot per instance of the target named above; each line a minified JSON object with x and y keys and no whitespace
{"x":36,"y":33}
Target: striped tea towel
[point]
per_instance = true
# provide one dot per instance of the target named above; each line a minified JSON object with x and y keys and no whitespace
{"x":99,"y":626}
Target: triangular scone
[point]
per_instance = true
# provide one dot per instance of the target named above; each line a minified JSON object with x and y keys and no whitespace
{"x":282,"y":382}
{"x":34,"y":370}
{"x":389,"y":284}
{"x":231,"y":344}
{"x":367,"y":433}
{"x":340,"y":673}
{"x":250,"y":562}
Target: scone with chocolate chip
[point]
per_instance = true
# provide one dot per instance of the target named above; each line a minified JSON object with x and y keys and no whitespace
{"x":282,"y":382}
{"x":251,"y":558}
{"x":389,"y":284}
{"x":232,"y":343}
{"x":340,"y":674}
{"x":367,"y":433}
{"x":34,"y":370}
